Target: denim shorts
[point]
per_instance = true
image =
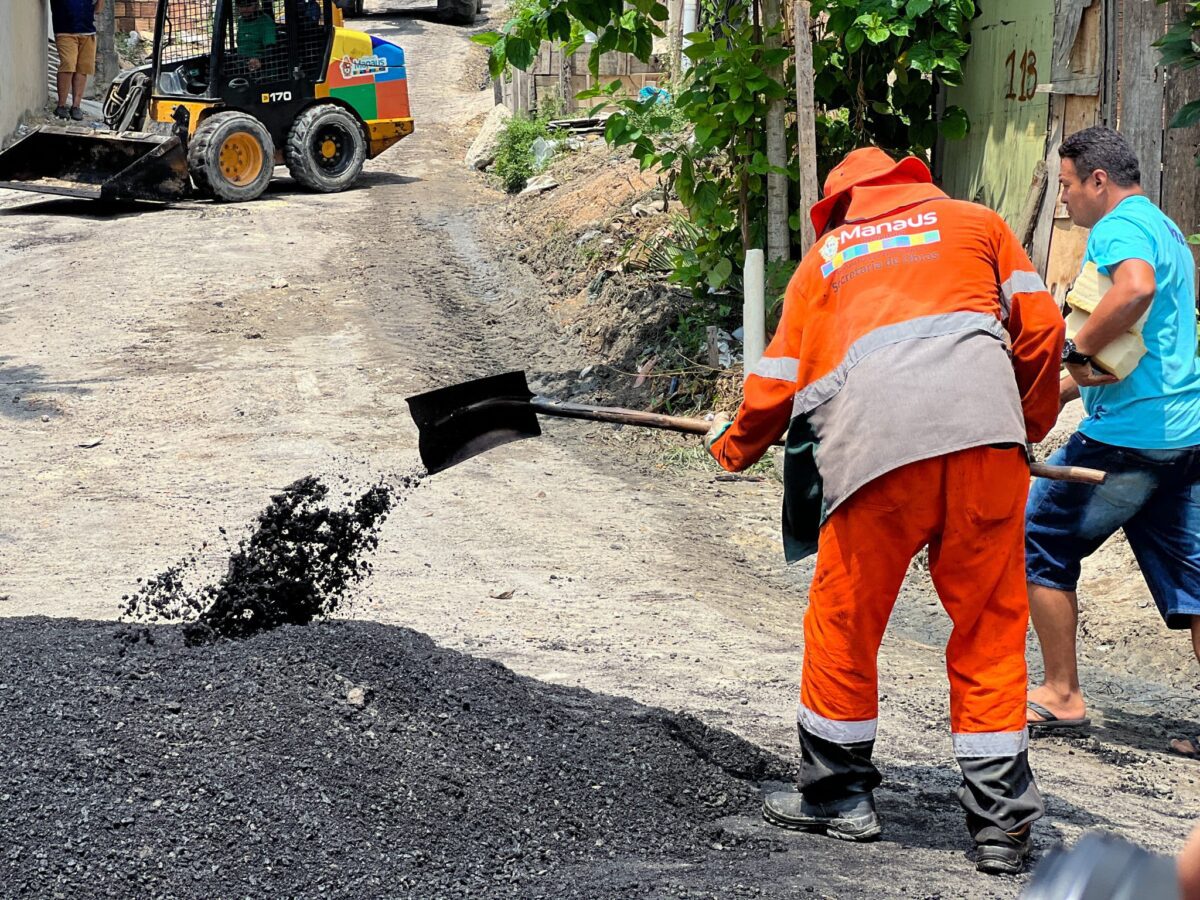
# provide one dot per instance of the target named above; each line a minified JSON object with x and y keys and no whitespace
{"x":1153,"y":494}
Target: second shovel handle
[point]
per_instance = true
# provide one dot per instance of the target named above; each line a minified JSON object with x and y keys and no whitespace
{"x":1067,"y":473}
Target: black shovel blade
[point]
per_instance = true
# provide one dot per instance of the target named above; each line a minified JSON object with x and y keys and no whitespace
{"x":464,"y":420}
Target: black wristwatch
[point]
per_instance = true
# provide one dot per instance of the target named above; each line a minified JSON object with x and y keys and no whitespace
{"x":1073,"y":357}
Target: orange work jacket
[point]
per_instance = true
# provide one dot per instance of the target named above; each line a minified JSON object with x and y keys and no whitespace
{"x":916,"y":328}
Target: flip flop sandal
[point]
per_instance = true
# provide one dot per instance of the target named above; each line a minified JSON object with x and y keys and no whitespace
{"x":1051,"y":722}
{"x":1189,"y":747}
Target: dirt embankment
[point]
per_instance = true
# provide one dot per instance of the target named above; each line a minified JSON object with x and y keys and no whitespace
{"x":595,"y":243}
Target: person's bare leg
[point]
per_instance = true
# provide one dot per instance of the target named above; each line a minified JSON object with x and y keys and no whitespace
{"x":78,"y":83}
{"x":1189,"y":860}
{"x":1055,"y":617}
{"x":1189,"y":746}
{"x":64,"y":86}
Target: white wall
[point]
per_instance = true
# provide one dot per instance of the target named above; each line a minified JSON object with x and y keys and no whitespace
{"x":23,"y":34}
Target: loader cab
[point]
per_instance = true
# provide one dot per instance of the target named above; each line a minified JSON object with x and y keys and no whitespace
{"x":261,"y":56}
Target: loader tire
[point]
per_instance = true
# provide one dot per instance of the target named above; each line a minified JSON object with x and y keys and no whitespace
{"x":326,"y":148}
{"x":231,"y":157}
{"x":459,"y":12}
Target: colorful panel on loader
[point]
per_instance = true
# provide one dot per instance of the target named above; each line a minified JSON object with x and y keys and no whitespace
{"x":367,"y":73}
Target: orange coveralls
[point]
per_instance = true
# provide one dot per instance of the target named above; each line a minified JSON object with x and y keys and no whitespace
{"x":924,"y":350}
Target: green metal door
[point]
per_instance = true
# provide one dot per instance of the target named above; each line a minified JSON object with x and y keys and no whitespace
{"x":1011,"y":46}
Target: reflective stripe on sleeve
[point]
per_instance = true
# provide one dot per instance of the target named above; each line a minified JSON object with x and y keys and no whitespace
{"x":1021,"y":282}
{"x":781,"y":368}
{"x":834,"y":731}
{"x":991,"y":743}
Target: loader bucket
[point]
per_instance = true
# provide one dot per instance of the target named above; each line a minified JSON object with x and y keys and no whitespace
{"x":80,"y":162}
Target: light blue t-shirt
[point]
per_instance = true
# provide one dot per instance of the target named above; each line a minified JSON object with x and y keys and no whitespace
{"x":1157,"y":407}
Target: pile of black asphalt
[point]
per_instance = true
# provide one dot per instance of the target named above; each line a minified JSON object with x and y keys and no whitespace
{"x":348,"y":759}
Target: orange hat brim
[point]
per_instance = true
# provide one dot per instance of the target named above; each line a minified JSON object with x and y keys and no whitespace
{"x":911,"y":166}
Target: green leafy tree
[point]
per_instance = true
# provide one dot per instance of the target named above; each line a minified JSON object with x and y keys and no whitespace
{"x":877,"y":68}
{"x":878,"y":65}
{"x":1178,"y":47}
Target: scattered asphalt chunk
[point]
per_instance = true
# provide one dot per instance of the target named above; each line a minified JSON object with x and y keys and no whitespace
{"x":298,"y":562}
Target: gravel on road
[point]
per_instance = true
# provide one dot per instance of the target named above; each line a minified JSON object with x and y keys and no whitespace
{"x":349,"y":759}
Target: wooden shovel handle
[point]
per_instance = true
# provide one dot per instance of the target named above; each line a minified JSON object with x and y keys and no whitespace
{"x":687,"y":425}
{"x":619,"y":415}
{"x":1067,"y":473}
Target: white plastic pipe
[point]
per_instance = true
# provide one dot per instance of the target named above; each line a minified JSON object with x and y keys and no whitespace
{"x":754,"y":311}
{"x":689,"y":26}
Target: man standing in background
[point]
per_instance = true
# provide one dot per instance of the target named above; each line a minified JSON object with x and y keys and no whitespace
{"x":75,"y":38}
{"x":1144,"y":430}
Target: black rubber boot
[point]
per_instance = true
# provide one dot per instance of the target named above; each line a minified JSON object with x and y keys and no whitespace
{"x":1004,"y":857}
{"x":1002,"y":801}
{"x":850,"y":819}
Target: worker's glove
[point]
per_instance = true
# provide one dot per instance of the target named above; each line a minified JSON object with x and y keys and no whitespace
{"x":720,"y":425}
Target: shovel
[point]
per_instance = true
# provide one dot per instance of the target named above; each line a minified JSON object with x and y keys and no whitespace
{"x":464,"y":420}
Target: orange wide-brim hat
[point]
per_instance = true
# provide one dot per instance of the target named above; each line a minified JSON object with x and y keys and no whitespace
{"x":865,"y":166}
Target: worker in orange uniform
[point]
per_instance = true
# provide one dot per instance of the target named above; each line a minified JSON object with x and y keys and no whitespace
{"x":917,"y":354}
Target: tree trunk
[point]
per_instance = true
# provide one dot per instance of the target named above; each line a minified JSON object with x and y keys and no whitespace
{"x":806,"y":120}
{"x":779,"y":239}
{"x":744,"y":206}
{"x":675,"y":38}
{"x":108,"y":65}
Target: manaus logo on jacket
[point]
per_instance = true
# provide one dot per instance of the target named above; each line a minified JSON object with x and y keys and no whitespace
{"x":873,"y":237}
{"x":858,"y":232}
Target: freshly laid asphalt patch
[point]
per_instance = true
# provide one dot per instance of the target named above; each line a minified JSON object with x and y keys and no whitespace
{"x":350,"y":760}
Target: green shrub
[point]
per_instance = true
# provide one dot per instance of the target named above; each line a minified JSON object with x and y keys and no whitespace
{"x":662,"y":118}
{"x":514,"y":154}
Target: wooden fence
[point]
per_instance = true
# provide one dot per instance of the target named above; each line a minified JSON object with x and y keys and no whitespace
{"x":1105,"y":70}
{"x":553,"y":77}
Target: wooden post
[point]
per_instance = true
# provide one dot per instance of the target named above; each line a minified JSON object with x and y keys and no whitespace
{"x":714,"y":352}
{"x":779,"y":237}
{"x":806,"y":120}
{"x":1033,"y":202}
{"x":1142,"y":90}
{"x":1044,"y":223}
{"x":1076,"y":82}
{"x":566,"y":80}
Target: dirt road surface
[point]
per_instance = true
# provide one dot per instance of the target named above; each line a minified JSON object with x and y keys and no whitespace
{"x":165,"y":369}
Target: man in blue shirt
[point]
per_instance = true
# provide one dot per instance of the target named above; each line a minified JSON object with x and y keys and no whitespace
{"x":1144,"y":430}
{"x":75,"y":39}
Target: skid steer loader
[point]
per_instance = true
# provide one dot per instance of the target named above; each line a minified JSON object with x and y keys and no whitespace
{"x":234,"y":88}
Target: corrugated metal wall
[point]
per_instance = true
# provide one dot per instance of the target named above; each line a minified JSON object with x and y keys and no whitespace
{"x":1011,"y":45}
